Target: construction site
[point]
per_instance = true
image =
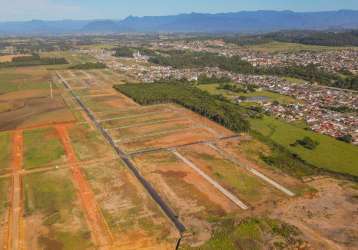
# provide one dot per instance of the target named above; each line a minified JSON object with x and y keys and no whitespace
{"x":84,"y":167}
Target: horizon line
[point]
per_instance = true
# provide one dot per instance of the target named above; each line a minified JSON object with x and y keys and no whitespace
{"x":164,"y":15}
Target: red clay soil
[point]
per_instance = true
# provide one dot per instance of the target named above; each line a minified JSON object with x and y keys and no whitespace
{"x":15,"y":232}
{"x":100,"y":231}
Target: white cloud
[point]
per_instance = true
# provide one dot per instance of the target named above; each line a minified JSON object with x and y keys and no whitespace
{"x":36,"y":9}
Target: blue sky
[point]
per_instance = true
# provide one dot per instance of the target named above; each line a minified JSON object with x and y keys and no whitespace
{"x":117,"y":9}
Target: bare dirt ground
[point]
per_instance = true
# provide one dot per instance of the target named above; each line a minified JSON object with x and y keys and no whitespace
{"x":328,"y":218}
{"x":33,"y":109}
{"x":15,"y":230}
{"x":250,"y":189}
{"x":135,"y":130}
{"x":169,"y":140}
{"x":192,"y":197}
{"x":8,"y":58}
{"x":134,"y":219}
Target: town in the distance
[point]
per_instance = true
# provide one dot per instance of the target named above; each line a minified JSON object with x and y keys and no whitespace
{"x":195,"y":132}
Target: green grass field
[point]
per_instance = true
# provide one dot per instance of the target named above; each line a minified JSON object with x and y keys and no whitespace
{"x":330,"y":154}
{"x":5,"y":150}
{"x":42,"y":147}
{"x":213,"y":89}
{"x":13,"y":79}
{"x":291,"y":47}
{"x":52,"y":195}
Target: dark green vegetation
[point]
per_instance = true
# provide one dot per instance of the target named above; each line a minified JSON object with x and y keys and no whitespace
{"x":204,"y":79}
{"x":129,"y":51}
{"x":188,"y":59}
{"x":34,"y":60}
{"x":236,"y":88}
{"x":322,"y":38}
{"x":307,"y":143}
{"x":252,"y":233}
{"x":218,"y":110}
{"x":89,"y":65}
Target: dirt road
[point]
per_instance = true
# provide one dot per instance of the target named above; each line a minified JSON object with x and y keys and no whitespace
{"x":15,"y":216}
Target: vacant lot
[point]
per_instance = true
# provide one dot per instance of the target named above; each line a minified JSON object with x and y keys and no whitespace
{"x":235,"y":178}
{"x":132,"y":216}
{"x":42,"y":147}
{"x":88,"y":143}
{"x":5,"y":151}
{"x":271,"y":96}
{"x":249,"y":152}
{"x":4,"y":204}
{"x":170,"y":139}
{"x":329,"y":154}
{"x":25,"y":99}
{"x":52,"y":213}
{"x":192,"y":197}
{"x":15,"y":79}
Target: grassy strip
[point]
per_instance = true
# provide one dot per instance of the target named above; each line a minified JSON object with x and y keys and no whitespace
{"x":5,"y":150}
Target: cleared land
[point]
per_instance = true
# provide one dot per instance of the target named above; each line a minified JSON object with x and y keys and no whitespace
{"x":42,"y":148}
{"x":79,"y":195}
{"x":133,"y":218}
{"x":25,"y":99}
{"x":330,"y":154}
{"x":193,"y":199}
{"x":53,"y":214}
{"x":213,"y":89}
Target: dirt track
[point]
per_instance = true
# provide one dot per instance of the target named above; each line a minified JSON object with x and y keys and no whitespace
{"x":15,"y":233}
{"x":100,"y":232}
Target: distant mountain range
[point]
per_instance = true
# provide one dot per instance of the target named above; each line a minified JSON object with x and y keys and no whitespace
{"x":238,"y":22}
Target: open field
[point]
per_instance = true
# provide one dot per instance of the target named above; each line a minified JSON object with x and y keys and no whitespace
{"x":242,"y":183}
{"x":213,"y":89}
{"x":8,"y":58}
{"x":28,"y":78}
{"x":133,"y":218}
{"x":72,"y":58}
{"x":192,"y":198}
{"x":88,"y":143}
{"x":76,"y":190}
{"x":273,"y":47}
{"x":53,"y":214}
{"x":26,"y":99}
{"x":330,"y":154}
{"x":35,"y":141}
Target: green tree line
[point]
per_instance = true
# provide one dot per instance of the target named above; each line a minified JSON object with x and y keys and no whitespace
{"x":216,"y":109}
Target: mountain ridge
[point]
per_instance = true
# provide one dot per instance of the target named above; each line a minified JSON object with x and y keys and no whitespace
{"x":260,"y":21}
